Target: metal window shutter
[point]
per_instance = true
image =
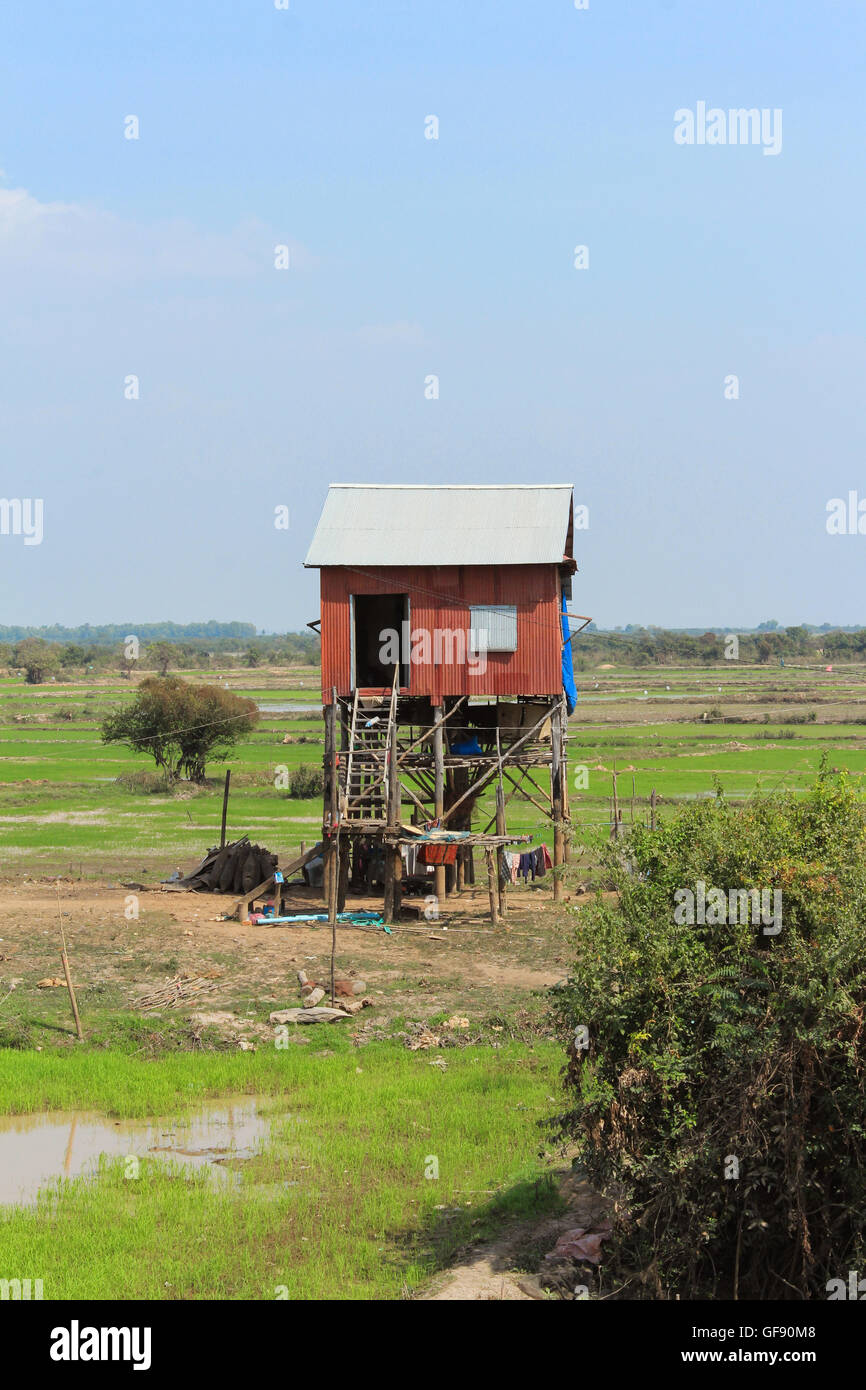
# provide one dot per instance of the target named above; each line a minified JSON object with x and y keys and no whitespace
{"x":499,"y":621}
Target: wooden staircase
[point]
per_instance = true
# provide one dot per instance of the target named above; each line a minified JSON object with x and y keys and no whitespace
{"x":364,"y":767}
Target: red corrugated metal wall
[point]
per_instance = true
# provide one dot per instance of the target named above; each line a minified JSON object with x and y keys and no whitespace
{"x":439,"y":598}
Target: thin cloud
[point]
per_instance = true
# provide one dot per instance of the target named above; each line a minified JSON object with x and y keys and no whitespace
{"x":74,"y":239}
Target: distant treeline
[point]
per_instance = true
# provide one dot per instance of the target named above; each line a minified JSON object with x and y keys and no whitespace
{"x":109,"y":634}
{"x":661,"y":646}
{"x":46,"y":658}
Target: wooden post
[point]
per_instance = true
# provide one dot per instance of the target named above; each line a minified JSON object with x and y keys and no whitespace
{"x":566,"y":814}
{"x":334,"y":849}
{"x":615,"y":804}
{"x":331,"y":799}
{"x":500,"y":825}
{"x":225,"y":808}
{"x":393,"y":856}
{"x":388,"y":903}
{"x":653,"y":809}
{"x":556,"y":799}
{"x":439,"y":799}
{"x":491,"y":887}
{"x":343,"y":875}
{"x":500,"y":853}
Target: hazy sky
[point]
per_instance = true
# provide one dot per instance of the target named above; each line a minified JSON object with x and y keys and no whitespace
{"x":262,"y":127}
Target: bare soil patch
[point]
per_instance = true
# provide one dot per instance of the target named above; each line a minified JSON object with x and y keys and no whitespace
{"x":458,"y":964}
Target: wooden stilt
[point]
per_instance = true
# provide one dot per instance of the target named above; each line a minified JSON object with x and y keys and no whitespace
{"x":566,"y":814}
{"x":556,"y":799}
{"x":439,"y":798}
{"x":500,"y":853}
{"x":388,"y":904}
{"x":491,"y":887}
{"x":343,"y":874}
{"x":393,"y":857}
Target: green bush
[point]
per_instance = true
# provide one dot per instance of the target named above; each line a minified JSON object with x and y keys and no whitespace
{"x":719,"y":1042}
{"x":305,"y":782}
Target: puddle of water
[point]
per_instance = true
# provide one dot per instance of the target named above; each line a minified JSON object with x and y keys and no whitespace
{"x":37,"y":1149}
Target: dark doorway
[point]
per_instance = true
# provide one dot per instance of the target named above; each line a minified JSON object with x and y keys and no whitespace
{"x":379,"y":620}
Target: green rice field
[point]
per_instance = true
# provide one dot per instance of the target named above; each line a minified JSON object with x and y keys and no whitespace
{"x":675,"y":731}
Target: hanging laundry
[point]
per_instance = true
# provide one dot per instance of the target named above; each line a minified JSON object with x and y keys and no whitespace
{"x":438,"y":854}
{"x":410,"y":859}
{"x":504,"y":869}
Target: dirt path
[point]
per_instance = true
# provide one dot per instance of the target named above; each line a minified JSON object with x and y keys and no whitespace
{"x":513,"y":1267}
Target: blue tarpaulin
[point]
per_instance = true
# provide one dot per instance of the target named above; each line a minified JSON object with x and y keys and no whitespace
{"x":568,"y":683}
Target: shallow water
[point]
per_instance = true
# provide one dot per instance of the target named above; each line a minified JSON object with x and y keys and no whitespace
{"x":269,"y":707}
{"x":37,"y":1149}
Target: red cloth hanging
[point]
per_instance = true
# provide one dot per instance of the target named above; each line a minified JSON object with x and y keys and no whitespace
{"x":438,"y":854}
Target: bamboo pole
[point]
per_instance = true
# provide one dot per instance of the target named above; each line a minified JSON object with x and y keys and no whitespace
{"x":65,"y":962}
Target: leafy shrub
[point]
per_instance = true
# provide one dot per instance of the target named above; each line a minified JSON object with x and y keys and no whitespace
{"x":305,"y":782}
{"x":712,"y":1043}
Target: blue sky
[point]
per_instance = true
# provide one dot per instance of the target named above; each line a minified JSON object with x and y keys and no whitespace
{"x":409,"y":257}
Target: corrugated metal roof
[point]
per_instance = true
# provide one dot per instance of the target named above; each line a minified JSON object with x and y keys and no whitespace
{"x":397,"y":524}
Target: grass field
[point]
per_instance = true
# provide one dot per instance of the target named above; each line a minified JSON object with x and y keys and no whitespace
{"x":336,"y":1204}
{"x":672,"y":729}
{"x":339,"y":1203}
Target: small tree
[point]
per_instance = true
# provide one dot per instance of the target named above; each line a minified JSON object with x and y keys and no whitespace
{"x":180,"y":725}
{"x":39,"y":659}
{"x":161,"y":655}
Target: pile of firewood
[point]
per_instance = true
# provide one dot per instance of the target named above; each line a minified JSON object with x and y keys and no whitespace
{"x":236,"y":868}
{"x":178,"y":991}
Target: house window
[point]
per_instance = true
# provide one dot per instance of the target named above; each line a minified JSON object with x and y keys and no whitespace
{"x":493,"y":627}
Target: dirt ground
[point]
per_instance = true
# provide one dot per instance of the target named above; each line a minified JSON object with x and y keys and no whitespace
{"x":491,"y":1272}
{"x":459,"y":964}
